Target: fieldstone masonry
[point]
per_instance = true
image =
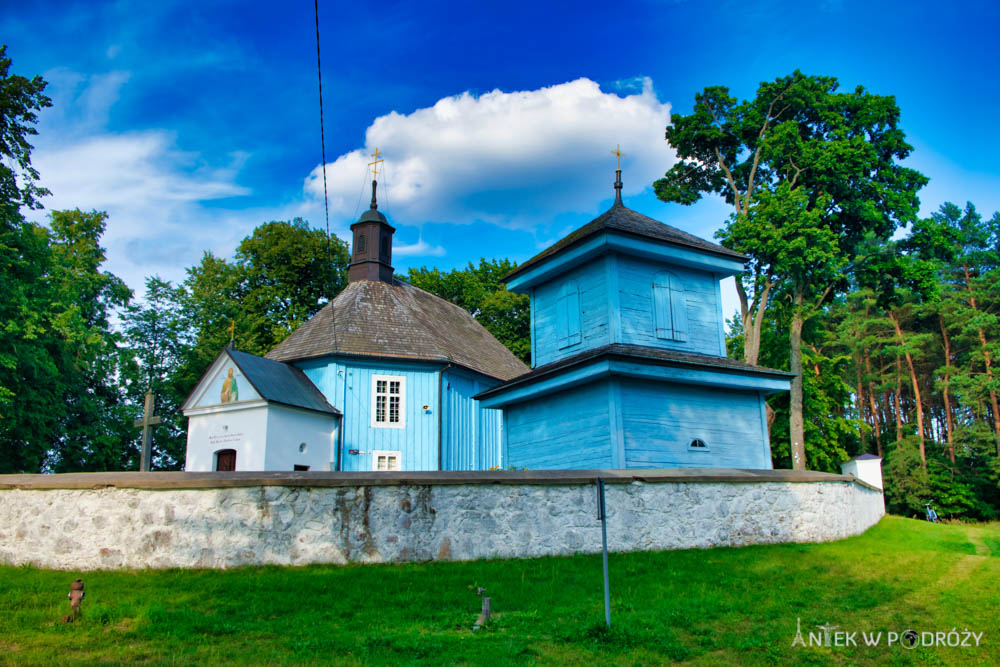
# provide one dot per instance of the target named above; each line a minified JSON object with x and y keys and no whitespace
{"x":287,"y":519}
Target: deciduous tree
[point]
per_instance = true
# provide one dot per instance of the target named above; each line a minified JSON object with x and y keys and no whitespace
{"x":799,"y":159}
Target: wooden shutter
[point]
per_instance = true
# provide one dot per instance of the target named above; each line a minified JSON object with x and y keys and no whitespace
{"x":568,"y":314}
{"x":669,"y":308}
{"x":662,"y":316}
{"x":678,"y":310}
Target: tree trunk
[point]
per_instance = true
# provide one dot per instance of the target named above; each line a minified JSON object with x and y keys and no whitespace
{"x":948,"y":423}
{"x":916,"y":388}
{"x":752,"y":315}
{"x":861,"y":407}
{"x":796,"y":424}
{"x":899,"y":402}
{"x":918,"y":403}
{"x":871,"y":399}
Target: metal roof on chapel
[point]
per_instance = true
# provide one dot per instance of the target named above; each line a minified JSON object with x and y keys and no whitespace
{"x":373,"y":318}
{"x":622,"y":219}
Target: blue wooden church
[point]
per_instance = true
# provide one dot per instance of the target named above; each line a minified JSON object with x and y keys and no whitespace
{"x":629,"y":366}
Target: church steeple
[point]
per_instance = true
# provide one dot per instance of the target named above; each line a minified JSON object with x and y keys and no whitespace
{"x":371,"y":256}
{"x":618,"y":175}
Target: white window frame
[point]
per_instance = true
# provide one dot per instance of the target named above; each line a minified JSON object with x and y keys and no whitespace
{"x":374,"y":401}
{"x":691,"y":448}
{"x":393,"y":453}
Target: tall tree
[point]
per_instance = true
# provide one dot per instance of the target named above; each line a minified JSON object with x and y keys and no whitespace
{"x":288,"y":271}
{"x":29,"y":395}
{"x":973,"y":283}
{"x":20,"y":100}
{"x":281,"y":276}
{"x":97,"y":427}
{"x":158,"y":336}
{"x":804,"y":161}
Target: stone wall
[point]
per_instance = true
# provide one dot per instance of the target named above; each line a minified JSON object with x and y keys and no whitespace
{"x":222,"y":520}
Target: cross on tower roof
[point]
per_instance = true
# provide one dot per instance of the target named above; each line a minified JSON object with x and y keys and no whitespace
{"x":618,"y":152}
{"x":377,"y":160}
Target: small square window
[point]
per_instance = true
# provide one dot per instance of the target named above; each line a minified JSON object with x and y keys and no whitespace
{"x":386,"y":460}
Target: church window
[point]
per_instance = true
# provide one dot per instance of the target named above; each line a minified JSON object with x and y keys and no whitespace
{"x":669,"y":308}
{"x":386,"y":460}
{"x":385,"y":246}
{"x":698,"y":445}
{"x":388,"y":401}
{"x":568,"y":315}
{"x":361,"y":243}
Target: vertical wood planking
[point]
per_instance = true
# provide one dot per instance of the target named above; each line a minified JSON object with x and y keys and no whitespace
{"x":472,"y":433}
{"x":635,"y":287}
{"x":661,"y":419}
{"x":591,"y":282}
{"x":351,"y":394}
{"x":567,"y":430}
{"x":614,"y":298}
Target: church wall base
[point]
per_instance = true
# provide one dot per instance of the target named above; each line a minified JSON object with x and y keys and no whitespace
{"x":390,"y":521}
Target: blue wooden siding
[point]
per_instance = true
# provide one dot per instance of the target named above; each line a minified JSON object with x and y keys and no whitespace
{"x":347,"y":386}
{"x":567,"y":430}
{"x":661,"y":419}
{"x":552,"y":298}
{"x":692,"y":294}
{"x":471,"y":433}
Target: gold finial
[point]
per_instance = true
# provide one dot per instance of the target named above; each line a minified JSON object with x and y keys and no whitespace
{"x":377,"y":160}
{"x":618,"y":152}
{"x":232,"y":332}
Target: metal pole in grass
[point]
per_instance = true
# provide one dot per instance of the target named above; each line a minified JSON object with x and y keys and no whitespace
{"x":603,"y":516}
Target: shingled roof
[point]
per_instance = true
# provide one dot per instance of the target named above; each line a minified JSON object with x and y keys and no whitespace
{"x":620,"y":218}
{"x":649,"y":355}
{"x":378,"y":319}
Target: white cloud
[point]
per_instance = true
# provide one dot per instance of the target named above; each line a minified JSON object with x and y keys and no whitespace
{"x":154,"y":195}
{"x":419,"y":249}
{"x":157,"y":196}
{"x":512,"y":159}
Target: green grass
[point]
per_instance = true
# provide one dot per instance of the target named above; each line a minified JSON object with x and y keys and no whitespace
{"x":717,"y":606}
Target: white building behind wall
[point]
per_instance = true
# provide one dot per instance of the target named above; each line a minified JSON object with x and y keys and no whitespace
{"x":250,"y":413}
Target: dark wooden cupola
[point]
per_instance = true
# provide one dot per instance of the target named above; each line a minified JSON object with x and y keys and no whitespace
{"x":371,"y":256}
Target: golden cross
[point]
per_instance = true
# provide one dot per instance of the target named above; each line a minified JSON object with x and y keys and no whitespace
{"x":232,"y":331}
{"x":377,"y":160}
{"x":618,"y":152}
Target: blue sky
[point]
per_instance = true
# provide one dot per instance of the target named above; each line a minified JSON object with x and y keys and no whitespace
{"x":191,"y":123}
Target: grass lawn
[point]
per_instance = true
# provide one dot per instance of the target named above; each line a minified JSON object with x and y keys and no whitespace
{"x":717,"y":606}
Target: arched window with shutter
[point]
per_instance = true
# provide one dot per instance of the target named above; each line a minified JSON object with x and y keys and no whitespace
{"x":568,"y":315}
{"x":669,"y":308}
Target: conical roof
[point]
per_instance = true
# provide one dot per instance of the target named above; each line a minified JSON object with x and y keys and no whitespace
{"x":620,"y":218}
{"x":399,"y":321}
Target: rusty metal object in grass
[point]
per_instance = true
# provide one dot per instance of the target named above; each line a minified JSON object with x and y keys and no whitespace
{"x":484,"y":616}
{"x":75,"y":596}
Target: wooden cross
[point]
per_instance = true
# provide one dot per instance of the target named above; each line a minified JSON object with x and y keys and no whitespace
{"x":618,"y":152}
{"x":146,"y":422}
{"x":377,"y":160}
